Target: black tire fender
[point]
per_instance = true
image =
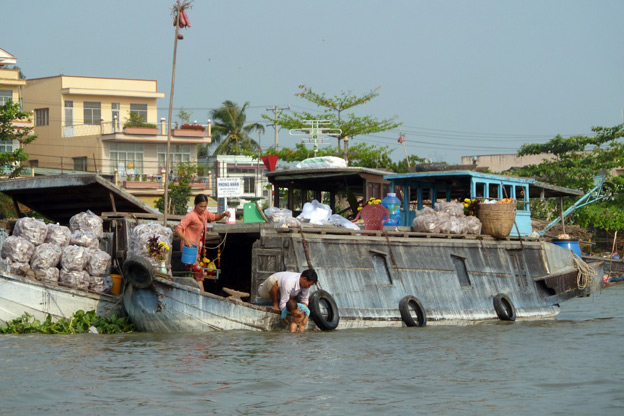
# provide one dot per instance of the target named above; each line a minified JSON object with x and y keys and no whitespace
{"x":329,"y":319}
{"x":138,"y":271}
{"x":409,"y":304}
{"x":504,"y":308}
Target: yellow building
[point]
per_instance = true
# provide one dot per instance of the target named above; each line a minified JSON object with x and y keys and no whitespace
{"x":80,"y":124}
{"x":10,"y":90}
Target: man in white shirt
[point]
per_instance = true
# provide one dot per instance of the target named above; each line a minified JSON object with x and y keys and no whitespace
{"x":282,"y":286}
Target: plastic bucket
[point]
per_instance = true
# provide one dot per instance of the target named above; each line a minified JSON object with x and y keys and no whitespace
{"x":189,"y":254}
{"x":116,"y":283}
{"x":570,"y":244}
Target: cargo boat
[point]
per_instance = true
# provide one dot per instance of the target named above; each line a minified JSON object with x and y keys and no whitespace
{"x":373,"y":278}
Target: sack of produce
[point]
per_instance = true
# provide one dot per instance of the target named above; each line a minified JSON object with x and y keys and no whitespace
{"x":50,"y":274}
{"x":84,"y":239}
{"x":31,"y":229}
{"x":99,"y":263}
{"x":87,"y":221}
{"x":74,"y":258}
{"x":102,"y":284}
{"x":46,"y":255}
{"x":473,"y":225}
{"x":17,"y":249}
{"x":75,"y":278}
{"x":14,"y":267}
{"x":143,"y":232}
{"x":427,"y":223}
{"x":58,"y":234}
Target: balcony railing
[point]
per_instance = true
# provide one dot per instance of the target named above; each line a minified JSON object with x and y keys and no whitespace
{"x":112,"y":127}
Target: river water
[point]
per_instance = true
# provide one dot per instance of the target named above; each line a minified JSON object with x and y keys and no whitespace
{"x":572,"y":365}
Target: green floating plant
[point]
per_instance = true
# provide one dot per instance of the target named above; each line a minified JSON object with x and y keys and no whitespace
{"x":79,"y":323}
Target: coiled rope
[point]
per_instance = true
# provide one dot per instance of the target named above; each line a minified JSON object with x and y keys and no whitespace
{"x":585,"y":273}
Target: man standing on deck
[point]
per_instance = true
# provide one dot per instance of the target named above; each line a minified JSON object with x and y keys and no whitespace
{"x":282,"y":286}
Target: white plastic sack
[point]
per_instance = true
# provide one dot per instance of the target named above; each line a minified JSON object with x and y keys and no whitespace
{"x":85,"y":239}
{"x":87,"y":221}
{"x":473,"y":225}
{"x":321,"y":162}
{"x":428,"y":223}
{"x":49,"y":274}
{"x":452,"y":208}
{"x":99,"y":263}
{"x":74,"y":258}
{"x":46,"y":255}
{"x":143,"y":232}
{"x":316,"y":212}
{"x":31,"y":229}
{"x":58,"y":234}
{"x":102,"y":284}
{"x":340,"y":221}
{"x":277,"y":215}
{"x":75,"y":278}
{"x":17,"y":249}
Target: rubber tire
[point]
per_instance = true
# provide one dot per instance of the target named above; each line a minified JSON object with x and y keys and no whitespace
{"x":325,"y":324}
{"x":406,"y":305}
{"x":504,"y":308}
{"x":138,"y":271}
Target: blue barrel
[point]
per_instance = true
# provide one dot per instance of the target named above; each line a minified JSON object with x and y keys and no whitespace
{"x":393,"y":205}
{"x":189,"y":254}
{"x":570,"y":244}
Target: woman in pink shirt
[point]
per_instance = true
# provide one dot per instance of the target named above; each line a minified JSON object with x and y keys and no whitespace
{"x":192,"y":228}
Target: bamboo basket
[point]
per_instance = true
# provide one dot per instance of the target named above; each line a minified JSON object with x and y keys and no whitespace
{"x":497,"y":219}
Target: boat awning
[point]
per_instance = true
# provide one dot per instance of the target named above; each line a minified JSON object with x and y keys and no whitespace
{"x":58,"y":198}
{"x":459,"y":182}
{"x":326,"y":179}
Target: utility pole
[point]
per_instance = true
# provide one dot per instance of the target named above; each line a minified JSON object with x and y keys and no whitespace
{"x":276,"y":110}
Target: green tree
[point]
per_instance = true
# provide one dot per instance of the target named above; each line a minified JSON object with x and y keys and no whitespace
{"x":184,"y":116}
{"x":179,"y":191}
{"x":230,"y":133}
{"x":361,"y":155}
{"x":332,"y":110}
{"x":578,"y":160}
{"x":10,"y":162}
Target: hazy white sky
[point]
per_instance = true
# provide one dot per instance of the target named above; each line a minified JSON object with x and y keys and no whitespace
{"x":464,"y":77}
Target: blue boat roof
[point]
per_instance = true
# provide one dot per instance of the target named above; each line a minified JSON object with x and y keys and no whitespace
{"x":461,"y":178}
{"x":427,"y":176}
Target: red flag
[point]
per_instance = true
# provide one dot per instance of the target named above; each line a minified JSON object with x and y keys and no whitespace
{"x":270,"y":162}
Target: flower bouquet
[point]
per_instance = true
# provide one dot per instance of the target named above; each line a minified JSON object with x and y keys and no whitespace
{"x":158,"y":251}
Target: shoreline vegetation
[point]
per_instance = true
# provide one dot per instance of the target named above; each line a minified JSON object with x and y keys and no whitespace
{"x":79,"y":323}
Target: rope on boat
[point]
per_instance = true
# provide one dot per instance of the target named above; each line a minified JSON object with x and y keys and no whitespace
{"x":585,"y":272}
{"x":396,"y":266}
{"x":306,"y":249}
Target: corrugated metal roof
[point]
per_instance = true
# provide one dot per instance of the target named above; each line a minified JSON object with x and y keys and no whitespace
{"x":58,"y":198}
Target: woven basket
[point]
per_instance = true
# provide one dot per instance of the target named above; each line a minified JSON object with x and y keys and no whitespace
{"x":497,"y":219}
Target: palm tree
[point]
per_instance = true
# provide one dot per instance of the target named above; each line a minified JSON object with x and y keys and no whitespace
{"x":229,"y":131}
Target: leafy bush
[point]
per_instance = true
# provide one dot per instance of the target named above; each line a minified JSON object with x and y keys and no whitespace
{"x":78,"y":323}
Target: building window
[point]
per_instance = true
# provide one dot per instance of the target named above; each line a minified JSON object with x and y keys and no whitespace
{"x":140,"y":109}
{"x":92,"y":113}
{"x":126,"y":158}
{"x":178,"y":153}
{"x":42,"y":117}
{"x":69,"y":119}
{"x":115,"y":115}
{"x":249,"y":184}
{"x":5,"y":96}
{"x":6,"y":147}
{"x":80,"y":164}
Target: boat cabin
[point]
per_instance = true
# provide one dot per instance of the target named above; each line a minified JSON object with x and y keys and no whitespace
{"x":426,"y":188}
{"x":295,"y":187}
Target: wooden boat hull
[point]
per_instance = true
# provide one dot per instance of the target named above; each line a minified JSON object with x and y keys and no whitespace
{"x":170,"y":307}
{"x":19,"y":295}
{"x":456,"y":279}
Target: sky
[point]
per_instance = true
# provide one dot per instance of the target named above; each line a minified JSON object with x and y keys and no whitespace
{"x":463,"y":77}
